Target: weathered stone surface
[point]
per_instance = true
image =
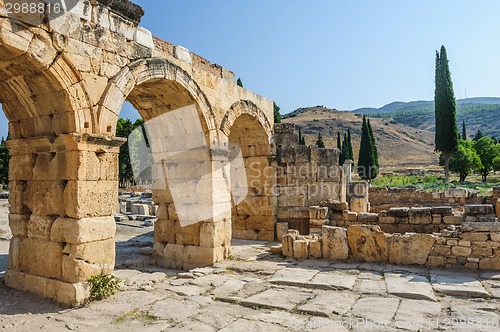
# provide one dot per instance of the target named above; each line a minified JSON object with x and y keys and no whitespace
{"x":490,"y":263}
{"x":293,"y":277}
{"x":300,"y":250}
{"x":410,"y":248}
{"x":377,"y":310}
{"x":338,"y":280}
{"x":410,"y":286}
{"x":76,"y":231}
{"x":368,"y":243}
{"x":289,"y":299}
{"x":416,"y":315}
{"x":366,"y":217}
{"x":41,"y":258}
{"x":477,"y":209}
{"x":315,"y":249}
{"x":328,"y":303}
{"x":335,"y":244}
{"x":450,"y":284}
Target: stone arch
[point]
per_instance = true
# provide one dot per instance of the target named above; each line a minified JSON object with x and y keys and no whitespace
{"x":42,"y":93}
{"x":252,"y":215}
{"x":245,"y":107}
{"x":138,"y":77}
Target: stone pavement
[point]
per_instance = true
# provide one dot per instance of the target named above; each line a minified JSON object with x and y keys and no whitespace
{"x":256,"y":291}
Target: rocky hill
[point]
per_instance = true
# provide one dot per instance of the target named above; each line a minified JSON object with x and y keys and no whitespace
{"x":399,"y":145}
{"x":478,"y":113}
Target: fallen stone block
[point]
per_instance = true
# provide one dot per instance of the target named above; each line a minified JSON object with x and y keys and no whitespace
{"x":475,"y":209}
{"x":410,"y":248}
{"x":335,"y":244}
{"x":300,"y":249}
{"x":368,"y":243}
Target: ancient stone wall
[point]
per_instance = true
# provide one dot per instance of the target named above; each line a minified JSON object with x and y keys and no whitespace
{"x":385,"y":198}
{"x":473,"y":242}
{"x":306,"y":175}
{"x":64,"y":82}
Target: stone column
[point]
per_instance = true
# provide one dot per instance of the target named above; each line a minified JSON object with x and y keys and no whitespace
{"x":63,"y":192}
{"x":194,"y":218}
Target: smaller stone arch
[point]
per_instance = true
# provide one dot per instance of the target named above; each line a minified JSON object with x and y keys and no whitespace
{"x":245,"y":107}
{"x":142,"y":72}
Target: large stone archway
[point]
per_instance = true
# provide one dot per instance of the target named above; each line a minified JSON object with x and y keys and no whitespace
{"x":63,"y":84}
{"x":253,"y":213}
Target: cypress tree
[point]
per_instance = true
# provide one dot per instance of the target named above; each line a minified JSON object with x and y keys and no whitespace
{"x":374,"y":144}
{"x":344,"y":151}
{"x":464,"y":131}
{"x":339,"y":146}
{"x":367,"y":165}
{"x":478,"y":135}
{"x":4,"y":162}
{"x":277,"y":115}
{"x":319,"y":141}
{"x":350,"y":154}
{"x":302,"y":139}
{"x":446,"y":138}
{"x":239,"y":82}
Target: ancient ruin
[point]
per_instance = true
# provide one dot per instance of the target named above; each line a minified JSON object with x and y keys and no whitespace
{"x":63,"y":85}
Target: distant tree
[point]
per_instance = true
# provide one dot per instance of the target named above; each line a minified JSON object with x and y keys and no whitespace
{"x":125,"y":127}
{"x":339,"y":146}
{"x":464,"y":130}
{"x":487,"y":151}
{"x":374,"y":144}
{"x":319,"y":141}
{"x":478,"y":135}
{"x":343,"y":151}
{"x":302,"y":139}
{"x":349,"y":153}
{"x":239,"y":82}
{"x":465,"y":160}
{"x":4,"y":162}
{"x":496,"y":164}
{"x":277,"y":115}
{"x":446,"y":137}
{"x":367,"y":164}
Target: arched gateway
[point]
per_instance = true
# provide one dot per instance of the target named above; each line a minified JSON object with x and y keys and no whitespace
{"x":63,"y":84}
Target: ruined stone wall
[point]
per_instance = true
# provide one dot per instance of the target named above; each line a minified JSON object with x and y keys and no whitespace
{"x":385,"y":198}
{"x":471,"y":240}
{"x":306,"y":175}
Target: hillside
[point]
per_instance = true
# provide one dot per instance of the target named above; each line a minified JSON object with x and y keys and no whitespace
{"x":398,"y":145}
{"x":478,"y":113}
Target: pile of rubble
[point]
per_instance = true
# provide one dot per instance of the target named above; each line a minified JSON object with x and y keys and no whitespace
{"x":136,"y":208}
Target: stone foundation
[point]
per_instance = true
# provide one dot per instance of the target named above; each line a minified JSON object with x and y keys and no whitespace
{"x":385,"y":198}
{"x":474,"y":245}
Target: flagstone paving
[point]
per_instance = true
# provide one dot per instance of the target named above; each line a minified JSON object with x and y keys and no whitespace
{"x":260,"y":292}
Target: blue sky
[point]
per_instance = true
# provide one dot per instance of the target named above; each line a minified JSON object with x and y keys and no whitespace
{"x":341,"y":54}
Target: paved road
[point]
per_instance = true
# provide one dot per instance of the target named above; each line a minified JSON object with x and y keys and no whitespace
{"x":256,"y":291}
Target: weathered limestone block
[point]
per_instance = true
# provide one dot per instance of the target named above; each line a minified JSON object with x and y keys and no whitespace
{"x":387,"y":220}
{"x":142,"y":209}
{"x":281,"y":230}
{"x":21,"y":167}
{"x":474,"y":236}
{"x":83,"y":199}
{"x":287,"y":242}
{"x":461,"y":251}
{"x":18,"y":224}
{"x":81,"y":261}
{"x":77,"y":231}
{"x":359,"y":205}
{"x":442,"y":210}
{"x":300,"y":249}
{"x":495,"y":236}
{"x":368,"y":243}
{"x":437,"y":219}
{"x":41,"y":258}
{"x":436,"y":261}
{"x":14,"y":248}
{"x":410,"y":248}
{"x":498,"y":208}
{"x":313,"y":212}
{"x":315,"y":248}
{"x":420,"y":216}
{"x":476,"y":209}
{"x":455,"y":193}
{"x":17,"y":192}
{"x":481,"y":227}
{"x":44,"y":198}
{"x":257,"y":206}
{"x":453,"y":220}
{"x":188,"y":257}
{"x":188,"y":235}
{"x":490,"y":263}
{"x":215,"y":234}
{"x":335,"y":243}
{"x":365,"y":217}
{"x":399,"y":212}
{"x":40,"y":227}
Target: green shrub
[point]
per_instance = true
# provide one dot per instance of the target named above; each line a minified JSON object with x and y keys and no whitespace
{"x":102,"y":287}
